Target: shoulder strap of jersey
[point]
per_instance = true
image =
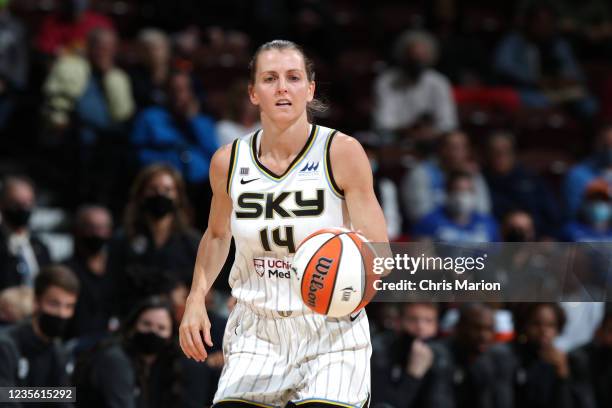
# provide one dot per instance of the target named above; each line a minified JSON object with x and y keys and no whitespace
{"x":328,"y":168}
{"x":232,"y":165}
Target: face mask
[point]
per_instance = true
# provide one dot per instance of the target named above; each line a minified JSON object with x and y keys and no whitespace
{"x":516,"y":235}
{"x":598,"y":212}
{"x":17,"y":217}
{"x":412,"y":69}
{"x":149,"y":342}
{"x":52,"y":326}
{"x":93,"y":243}
{"x":462,"y":203}
{"x":158,"y":205}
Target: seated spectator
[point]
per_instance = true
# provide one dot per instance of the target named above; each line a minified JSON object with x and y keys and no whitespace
{"x":400,"y":368}
{"x":474,"y":372}
{"x":411,"y":91}
{"x":22,"y":254}
{"x":141,"y":367}
{"x":512,"y":186}
{"x":66,"y":30}
{"x":384,"y":188}
{"x":423,"y":188}
{"x":150,"y":76}
{"x":541,"y":371}
{"x":13,"y":61}
{"x":542,"y":65}
{"x":594,"y":220}
{"x":241,"y":117}
{"x":30,"y":352}
{"x":16,"y":304}
{"x":518,"y":226}
{"x":155,"y":252}
{"x":92,"y":88}
{"x":598,"y":164}
{"x":93,"y":316}
{"x":458,"y":221}
{"x":178,"y":133}
{"x":591,"y":367}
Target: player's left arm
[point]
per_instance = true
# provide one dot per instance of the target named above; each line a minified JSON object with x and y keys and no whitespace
{"x":353,"y":174}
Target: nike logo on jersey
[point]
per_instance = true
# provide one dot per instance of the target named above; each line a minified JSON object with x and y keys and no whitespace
{"x":243,"y":181}
{"x":354,"y":317}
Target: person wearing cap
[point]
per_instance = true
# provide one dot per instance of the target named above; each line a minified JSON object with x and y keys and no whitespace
{"x":592,"y":223}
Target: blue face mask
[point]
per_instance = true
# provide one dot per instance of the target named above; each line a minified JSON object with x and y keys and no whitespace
{"x":598,"y":212}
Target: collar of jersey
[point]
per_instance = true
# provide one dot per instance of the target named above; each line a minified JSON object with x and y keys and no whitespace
{"x":269,"y":173}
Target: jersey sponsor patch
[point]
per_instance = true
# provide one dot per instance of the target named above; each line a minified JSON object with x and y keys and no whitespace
{"x":272,"y":268}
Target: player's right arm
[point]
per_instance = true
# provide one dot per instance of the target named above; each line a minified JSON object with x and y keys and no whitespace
{"x":212,"y":253}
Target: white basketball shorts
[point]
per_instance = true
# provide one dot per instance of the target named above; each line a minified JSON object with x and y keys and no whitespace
{"x":300,"y":358}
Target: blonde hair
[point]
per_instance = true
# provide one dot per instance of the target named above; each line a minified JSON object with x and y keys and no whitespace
{"x":16,"y":303}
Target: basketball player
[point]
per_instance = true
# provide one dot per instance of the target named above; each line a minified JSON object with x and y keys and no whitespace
{"x":272,"y":188}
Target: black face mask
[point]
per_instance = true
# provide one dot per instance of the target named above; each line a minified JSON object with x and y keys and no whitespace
{"x":51,"y":325}
{"x":412,"y":69}
{"x":158,"y":205}
{"x":149,"y":342}
{"x":93,"y":244}
{"x":516,"y":235}
{"x":17,"y":217}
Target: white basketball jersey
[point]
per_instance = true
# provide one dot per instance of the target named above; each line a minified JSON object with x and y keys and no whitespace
{"x":272,"y":213}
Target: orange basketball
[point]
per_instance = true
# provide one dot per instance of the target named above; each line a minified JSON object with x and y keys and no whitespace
{"x":333,"y":271}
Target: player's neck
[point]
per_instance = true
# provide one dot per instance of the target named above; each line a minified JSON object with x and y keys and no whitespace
{"x":283,"y":140}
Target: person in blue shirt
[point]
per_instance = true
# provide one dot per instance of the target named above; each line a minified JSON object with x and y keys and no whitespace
{"x":457,"y":220}
{"x":593,"y":221}
{"x":177,"y":134}
{"x":598,"y":164}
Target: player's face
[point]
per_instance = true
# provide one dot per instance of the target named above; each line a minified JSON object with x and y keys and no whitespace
{"x":281,"y":89}
{"x":157,"y":321}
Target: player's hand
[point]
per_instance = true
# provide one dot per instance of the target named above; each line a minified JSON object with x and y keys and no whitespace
{"x":420,"y":359}
{"x":195,"y":326}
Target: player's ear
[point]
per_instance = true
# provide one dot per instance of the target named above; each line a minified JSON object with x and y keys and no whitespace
{"x":252,"y":96}
{"x":311,"y":91}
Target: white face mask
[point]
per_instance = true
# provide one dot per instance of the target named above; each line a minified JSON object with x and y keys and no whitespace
{"x":461,"y":203}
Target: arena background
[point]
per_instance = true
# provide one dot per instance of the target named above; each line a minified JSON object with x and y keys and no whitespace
{"x":550,"y":116}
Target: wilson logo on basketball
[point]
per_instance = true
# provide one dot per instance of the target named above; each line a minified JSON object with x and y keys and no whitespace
{"x":318,"y":278}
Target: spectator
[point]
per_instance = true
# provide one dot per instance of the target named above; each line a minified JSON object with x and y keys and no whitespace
{"x":423,"y":189}
{"x":384,"y":188}
{"x":92,"y":88}
{"x":475,"y":373}
{"x":591,"y":367}
{"x":458,"y":221}
{"x":66,"y":30}
{"x":241,"y":118}
{"x":13,"y":61}
{"x":411,"y":91}
{"x":22,"y":254}
{"x":401,"y":369}
{"x":541,"y":371}
{"x":512,"y":186}
{"x":16,"y":304}
{"x":150,"y":76}
{"x":594,"y":219}
{"x":141,"y":367}
{"x":542,"y":65}
{"x":599,"y":164}
{"x":156,"y":251}
{"x":177,"y":134}
{"x":93,"y":98}
{"x":30,"y":353}
{"x":93,"y":316}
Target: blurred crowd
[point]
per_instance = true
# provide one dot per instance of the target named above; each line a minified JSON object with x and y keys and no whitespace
{"x":482,"y":123}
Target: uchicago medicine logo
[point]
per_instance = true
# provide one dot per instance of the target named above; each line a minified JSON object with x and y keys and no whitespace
{"x":272,"y":267}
